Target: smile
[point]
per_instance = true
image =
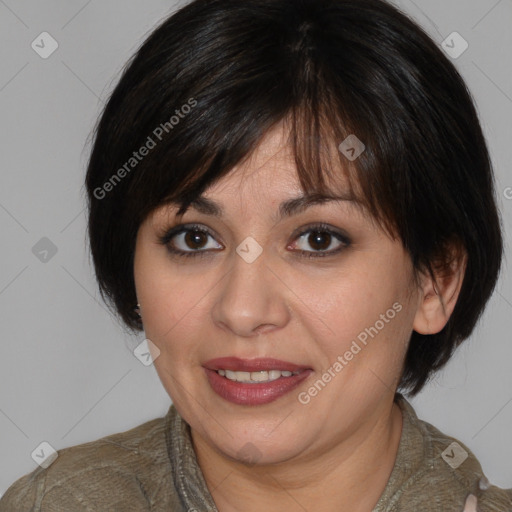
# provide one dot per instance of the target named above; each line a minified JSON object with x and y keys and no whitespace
{"x":255,"y":377}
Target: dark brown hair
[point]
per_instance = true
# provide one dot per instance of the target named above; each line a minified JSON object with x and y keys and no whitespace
{"x":212,"y":79}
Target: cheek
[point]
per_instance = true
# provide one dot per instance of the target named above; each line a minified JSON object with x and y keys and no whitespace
{"x":169,"y":298}
{"x":340,"y":305}
{"x":361,"y":317}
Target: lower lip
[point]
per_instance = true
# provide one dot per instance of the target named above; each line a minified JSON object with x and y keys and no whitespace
{"x":242,"y":393}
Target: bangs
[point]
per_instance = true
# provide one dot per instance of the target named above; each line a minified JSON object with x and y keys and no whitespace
{"x":327,"y":121}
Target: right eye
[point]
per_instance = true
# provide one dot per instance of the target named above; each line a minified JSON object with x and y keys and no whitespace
{"x":188,"y":240}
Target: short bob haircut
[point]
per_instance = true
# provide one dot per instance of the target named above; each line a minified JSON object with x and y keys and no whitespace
{"x":212,"y":79}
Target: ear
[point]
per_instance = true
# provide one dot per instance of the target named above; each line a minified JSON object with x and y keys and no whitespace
{"x":438,"y":296}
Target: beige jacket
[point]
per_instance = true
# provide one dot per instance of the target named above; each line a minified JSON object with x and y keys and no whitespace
{"x":153,"y":468}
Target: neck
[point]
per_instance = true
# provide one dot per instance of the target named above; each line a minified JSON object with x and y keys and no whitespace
{"x":351,"y":475}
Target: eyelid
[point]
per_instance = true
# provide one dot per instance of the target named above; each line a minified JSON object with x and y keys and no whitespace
{"x":322,"y":227}
{"x":170,"y":233}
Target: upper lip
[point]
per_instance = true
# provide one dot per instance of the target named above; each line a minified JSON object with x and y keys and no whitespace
{"x":252,"y":365}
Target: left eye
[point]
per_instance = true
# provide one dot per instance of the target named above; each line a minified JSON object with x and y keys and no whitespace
{"x":321,"y":240}
{"x":192,"y":240}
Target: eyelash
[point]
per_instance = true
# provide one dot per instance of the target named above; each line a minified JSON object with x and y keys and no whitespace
{"x":167,"y":237}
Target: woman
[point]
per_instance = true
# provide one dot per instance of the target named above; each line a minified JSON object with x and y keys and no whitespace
{"x":294,"y":201}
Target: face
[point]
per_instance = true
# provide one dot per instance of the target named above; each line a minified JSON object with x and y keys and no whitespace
{"x":321,"y":290}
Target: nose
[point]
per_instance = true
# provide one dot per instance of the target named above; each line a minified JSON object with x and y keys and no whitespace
{"x":251,"y":299}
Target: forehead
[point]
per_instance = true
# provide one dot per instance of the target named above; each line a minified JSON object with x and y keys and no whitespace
{"x":270,"y":170}
{"x":266,"y":183}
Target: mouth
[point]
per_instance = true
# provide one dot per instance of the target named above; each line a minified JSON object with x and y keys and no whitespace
{"x":254,"y":381}
{"x":253,"y":365}
{"x":255,"y":377}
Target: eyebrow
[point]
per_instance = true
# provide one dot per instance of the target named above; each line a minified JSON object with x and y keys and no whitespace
{"x":287,"y":208}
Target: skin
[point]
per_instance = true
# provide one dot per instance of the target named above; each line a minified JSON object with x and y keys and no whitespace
{"x":337,"y":451}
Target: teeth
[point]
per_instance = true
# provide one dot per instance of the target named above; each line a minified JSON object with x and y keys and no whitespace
{"x":274,"y":374}
{"x":253,"y":377}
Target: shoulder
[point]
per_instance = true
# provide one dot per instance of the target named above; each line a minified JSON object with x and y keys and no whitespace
{"x":447,"y":475}
{"x":125,"y":471}
{"x":460,"y":473}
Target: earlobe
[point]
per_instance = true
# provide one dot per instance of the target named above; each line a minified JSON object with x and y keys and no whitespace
{"x":438,"y":298}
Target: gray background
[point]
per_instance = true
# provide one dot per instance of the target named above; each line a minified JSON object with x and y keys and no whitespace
{"x":67,"y":371}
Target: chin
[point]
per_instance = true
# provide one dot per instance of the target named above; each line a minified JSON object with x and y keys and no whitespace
{"x":261,"y":447}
